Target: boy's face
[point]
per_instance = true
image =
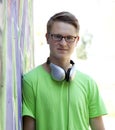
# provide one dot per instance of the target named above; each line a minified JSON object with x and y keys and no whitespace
{"x":62,"y":49}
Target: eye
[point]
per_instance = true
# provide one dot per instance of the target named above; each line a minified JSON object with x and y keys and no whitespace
{"x":57,"y":36}
{"x":70,"y":38}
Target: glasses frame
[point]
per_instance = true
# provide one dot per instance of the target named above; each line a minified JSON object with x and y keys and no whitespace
{"x":59,"y":37}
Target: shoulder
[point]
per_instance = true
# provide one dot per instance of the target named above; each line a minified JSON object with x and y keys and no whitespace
{"x":32,"y":74}
{"x":85,"y":80}
{"x":83,"y":76}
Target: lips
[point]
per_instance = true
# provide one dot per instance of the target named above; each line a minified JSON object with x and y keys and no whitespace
{"x":62,"y":49}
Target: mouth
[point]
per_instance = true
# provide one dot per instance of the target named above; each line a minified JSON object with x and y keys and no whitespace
{"x":62,"y":49}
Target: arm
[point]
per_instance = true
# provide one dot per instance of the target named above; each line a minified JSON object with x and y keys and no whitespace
{"x":28,"y":123}
{"x":28,"y":105}
{"x":97,"y":123}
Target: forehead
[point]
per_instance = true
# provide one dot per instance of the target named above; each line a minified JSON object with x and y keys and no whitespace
{"x":63,"y":28}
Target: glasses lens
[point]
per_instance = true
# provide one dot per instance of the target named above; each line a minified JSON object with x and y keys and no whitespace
{"x":57,"y":37}
{"x":70,"y":38}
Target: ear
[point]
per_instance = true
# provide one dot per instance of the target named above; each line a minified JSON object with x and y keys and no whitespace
{"x":47,"y":37}
{"x":77,"y":39}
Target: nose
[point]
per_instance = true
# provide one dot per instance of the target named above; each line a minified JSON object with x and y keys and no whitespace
{"x":63,"y":42}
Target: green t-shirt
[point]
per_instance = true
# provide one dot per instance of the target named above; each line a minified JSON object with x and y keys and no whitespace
{"x":61,"y":105}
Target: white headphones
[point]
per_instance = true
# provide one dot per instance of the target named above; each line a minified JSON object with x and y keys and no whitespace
{"x":59,"y":74}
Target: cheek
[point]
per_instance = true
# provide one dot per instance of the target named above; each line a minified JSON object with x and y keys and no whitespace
{"x":52,"y":46}
{"x":72,"y":48}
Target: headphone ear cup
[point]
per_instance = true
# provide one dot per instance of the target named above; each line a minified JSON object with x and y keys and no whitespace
{"x":57,"y":72}
{"x":72,"y":72}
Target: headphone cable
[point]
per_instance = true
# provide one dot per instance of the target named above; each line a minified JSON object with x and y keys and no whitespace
{"x":68,"y":105}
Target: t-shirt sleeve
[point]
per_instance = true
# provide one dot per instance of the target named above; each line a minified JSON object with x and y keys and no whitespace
{"x":96,"y":103}
{"x":28,"y":98}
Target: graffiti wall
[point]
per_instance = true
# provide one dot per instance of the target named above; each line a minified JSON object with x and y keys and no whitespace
{"x":0,"y":60}
{"x":16,"y":58}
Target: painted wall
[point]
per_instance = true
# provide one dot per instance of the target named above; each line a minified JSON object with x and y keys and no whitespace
{"x":16,"y":58}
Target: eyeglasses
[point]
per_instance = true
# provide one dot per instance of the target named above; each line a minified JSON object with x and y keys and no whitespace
{"x":59,"y":37}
